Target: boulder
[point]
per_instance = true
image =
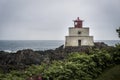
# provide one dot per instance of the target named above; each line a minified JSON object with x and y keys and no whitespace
{"x":19,"y":60}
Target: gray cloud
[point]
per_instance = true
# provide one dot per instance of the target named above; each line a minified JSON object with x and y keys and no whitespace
{"x":50,"y":19}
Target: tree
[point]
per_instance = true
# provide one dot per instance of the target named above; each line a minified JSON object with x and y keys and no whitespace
{"x":118,"y":31}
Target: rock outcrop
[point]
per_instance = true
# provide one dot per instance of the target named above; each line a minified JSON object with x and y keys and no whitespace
{"x":23,"y":58}
{"x":19,"y":60}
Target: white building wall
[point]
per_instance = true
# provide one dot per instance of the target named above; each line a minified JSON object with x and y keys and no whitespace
{"x":73,"y":41}
{"x":74,"y":31}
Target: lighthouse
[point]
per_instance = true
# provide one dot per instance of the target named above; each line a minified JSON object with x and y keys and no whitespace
{"x":78,"y":35}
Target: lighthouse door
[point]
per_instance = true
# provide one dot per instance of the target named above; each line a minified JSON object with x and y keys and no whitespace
{"x":79,"y":42}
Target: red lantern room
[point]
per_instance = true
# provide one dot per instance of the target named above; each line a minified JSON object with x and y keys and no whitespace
{"x":78,"y":23}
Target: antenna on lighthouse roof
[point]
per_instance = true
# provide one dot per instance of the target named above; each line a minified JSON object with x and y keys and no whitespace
{"x":78,"y":18}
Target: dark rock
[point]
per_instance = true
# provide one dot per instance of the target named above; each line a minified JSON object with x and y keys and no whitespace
{"x":23,"y":58}
{"x":100,"y":45}
{"x":19,"y":60}
{"x":84,"y":49}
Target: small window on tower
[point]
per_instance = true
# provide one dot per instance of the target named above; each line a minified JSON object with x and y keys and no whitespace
{"x":79,"y":32}
{"x":75,"y":23}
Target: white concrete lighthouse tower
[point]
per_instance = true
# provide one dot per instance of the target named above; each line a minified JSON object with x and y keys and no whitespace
{"x":78,"y":35}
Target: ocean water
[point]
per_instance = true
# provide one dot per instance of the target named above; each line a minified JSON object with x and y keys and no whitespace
{"x":15,"y":45}
{"x":109,"y":42}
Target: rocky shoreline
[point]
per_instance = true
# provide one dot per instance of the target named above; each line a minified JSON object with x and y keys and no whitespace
{"x":24,"y":58}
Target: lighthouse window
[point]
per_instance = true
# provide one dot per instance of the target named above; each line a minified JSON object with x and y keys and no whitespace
{"x":75,"y":23}
{"x":79,"y":32}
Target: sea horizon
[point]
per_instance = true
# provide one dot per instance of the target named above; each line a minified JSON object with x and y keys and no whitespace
{"x":38,"y":45}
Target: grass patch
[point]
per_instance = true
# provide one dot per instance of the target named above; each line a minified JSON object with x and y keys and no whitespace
{"x":111,"y":74}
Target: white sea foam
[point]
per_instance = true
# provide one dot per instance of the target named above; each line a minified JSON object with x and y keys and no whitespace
{"x":10,"y":51}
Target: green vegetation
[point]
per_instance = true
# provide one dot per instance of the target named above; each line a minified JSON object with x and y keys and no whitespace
{"x":111,"y":74}
{"x":76,"y":66}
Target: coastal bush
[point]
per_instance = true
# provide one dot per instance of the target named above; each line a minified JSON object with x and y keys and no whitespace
{"x":116,"y":54}
{"x":79,"y":66}
{"x":68,"y":71}
{"x":23,"y":74}
{"x":76,"y":66}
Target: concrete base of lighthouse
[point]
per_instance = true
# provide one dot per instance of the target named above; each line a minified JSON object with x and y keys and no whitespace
{"x":79,"y":41}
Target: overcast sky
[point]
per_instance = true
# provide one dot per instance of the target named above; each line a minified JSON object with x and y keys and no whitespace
{"x":50,"y":19}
